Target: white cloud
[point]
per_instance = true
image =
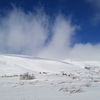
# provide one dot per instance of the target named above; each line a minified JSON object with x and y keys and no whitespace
{"x":85,"y":52}
{"x":23,"y":33}
{"x":27,"y":33}
{"x":59,"y":47}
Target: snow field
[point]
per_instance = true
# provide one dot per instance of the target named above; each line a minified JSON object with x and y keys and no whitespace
{"x":54,"y":80}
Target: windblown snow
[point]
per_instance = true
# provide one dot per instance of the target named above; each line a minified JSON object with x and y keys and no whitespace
{"x":53,"y":79}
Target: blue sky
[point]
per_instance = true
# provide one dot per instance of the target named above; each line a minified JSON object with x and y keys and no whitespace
{"x":81,"y":17}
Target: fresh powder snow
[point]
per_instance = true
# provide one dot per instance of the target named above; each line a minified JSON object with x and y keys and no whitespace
{"x":53,"y":79}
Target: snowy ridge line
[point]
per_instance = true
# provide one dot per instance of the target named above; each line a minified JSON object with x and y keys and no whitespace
{"x":36,"y":58}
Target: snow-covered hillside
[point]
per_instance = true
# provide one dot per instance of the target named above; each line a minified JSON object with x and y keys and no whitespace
{"x":54,"y":80}
{"x":19,"y":64}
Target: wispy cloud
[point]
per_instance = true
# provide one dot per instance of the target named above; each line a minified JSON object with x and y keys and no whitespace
{"x":59,"y":47}
{"x":28,"y":33}
{"x":95,"y":4}
{"x":96,"y":19}
{"x":23,"y":33}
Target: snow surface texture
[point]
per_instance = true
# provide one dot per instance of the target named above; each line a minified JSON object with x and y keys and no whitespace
{"x":54,"y":80}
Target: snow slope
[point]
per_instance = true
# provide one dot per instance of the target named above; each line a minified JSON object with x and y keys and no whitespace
{"x":18,"y":64}
{"x":63,"y":80}
{"x":84,"y":63}
{"x":93,"y":65}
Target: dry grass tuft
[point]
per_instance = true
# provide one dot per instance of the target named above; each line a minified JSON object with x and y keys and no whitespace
{"x":27,"y":76}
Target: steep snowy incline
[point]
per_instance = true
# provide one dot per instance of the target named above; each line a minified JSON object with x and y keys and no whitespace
{"x":18,"y":64}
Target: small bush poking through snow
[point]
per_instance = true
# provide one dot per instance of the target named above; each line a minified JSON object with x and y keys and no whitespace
{"x":72,"y":90}
{"x":8,"y":76}
{"x":88,"y":84}
{"x":27,"y":76}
